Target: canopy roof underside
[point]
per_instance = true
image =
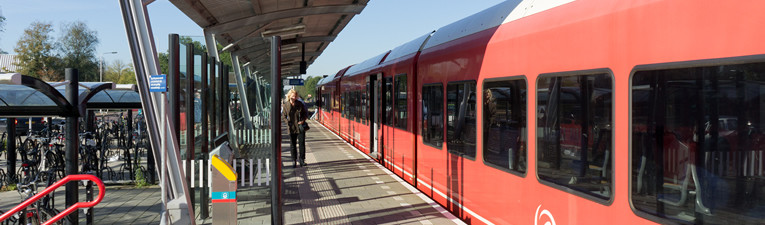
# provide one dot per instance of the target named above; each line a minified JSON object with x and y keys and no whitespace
{"x":243,"y":24}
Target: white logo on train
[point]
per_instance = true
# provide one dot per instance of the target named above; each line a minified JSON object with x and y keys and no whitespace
{"x":537,"y":216}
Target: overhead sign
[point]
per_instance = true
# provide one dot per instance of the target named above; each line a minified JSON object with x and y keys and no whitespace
{"x":296,"y":82}
{"x":158,"y":83}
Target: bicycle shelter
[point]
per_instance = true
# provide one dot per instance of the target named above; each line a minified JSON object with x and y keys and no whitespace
{"x":26,"y":96}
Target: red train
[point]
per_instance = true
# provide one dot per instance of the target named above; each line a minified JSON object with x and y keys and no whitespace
{"x":572,"y":112}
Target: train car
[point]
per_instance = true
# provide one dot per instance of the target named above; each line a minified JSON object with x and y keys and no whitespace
{"x":356,"y":90}
{"x":582,"y":112}
{"x":333,"y":106}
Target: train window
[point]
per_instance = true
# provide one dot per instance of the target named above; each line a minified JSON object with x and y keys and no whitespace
{"x":388,"y":100}
{"x":352,"y":105}
{"x":433,"y":115}
{"x":574,"y":138}
{"x":345,"y":105}
{"x":401,"y":101}
{"x":461,"y":118}
{"x":326,"y":102}
{"x":697,"y":143}
{"x":364,"y":115}
{"x":342,"y":105}
{"x":504,"y":124}
{"x":358,"y":106}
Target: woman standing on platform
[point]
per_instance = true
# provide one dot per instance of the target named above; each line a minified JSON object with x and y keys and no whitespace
{"x":294,"y":114}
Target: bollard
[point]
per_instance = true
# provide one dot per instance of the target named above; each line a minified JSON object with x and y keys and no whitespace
{"x":223,"y":193}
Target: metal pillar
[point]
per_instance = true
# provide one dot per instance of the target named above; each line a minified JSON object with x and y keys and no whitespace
{"x":213,"y":100}
{"x":11,"y":153}
{"x":72,"y":141}
{"x":190,"y":114}
{"x":90,"y":121}
{"x":245,"y":105}
{"x":203,"y":198}
{"x":219,"y":109}
{"x":138,"y":28}
{"x":276,"y":131}
{"x":225,"y":99}
{"x":174,"y":83}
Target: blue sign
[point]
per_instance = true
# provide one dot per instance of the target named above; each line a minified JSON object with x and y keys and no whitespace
{"x":296,"y":82}
{"x":158,"y":83}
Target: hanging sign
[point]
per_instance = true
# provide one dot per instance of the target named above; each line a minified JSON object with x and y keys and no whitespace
{"x":296,"y":82}
{"x":158,"y":83}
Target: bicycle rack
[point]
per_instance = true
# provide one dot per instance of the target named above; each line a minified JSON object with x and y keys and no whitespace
{"x":48,"y":190}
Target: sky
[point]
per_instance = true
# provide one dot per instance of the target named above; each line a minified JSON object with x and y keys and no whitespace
{"x":381,"y":26}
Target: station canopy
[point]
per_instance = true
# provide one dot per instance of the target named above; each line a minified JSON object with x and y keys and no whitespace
{"x":25,"y":96}
{"x":240,"y":26}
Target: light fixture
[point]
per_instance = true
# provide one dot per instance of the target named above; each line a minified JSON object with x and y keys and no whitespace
{"x":285,"y":31}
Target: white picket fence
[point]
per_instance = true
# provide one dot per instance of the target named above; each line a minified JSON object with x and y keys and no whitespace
{"x":247,"y":176}
{"x":253,"y":136}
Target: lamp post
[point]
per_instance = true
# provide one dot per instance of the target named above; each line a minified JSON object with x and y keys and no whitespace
{"x":101,"y":65}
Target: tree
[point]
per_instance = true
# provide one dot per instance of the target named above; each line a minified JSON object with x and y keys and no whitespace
{"x":164,"y":57}
{"x":2,"y":29}
{"x":77,"y":46}
{"x":35,"y":53}
{"x":128,"y":76}
{"x":117,"y":71}
{"x":308,"y":88}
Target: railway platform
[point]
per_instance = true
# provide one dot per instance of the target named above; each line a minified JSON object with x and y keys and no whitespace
{"x":338,"y":186}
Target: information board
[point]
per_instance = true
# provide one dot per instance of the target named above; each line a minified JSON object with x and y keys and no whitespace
{"x":296,"y":82}
{"x":158,"y":83}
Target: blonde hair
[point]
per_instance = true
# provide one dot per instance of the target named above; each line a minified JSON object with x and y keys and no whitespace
{"x":290,"y":93}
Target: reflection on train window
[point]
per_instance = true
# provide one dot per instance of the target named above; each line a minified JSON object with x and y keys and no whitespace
{"x":433,"y":115}
{"x":504,"y":124}
{"x":698,"y":144}
{"x":387,"y":100}
{"x":342,"y":105}
{"x":574,"y":133}
{"x":461,"y":118}
{"x":364,"y":115}
{"x":401,"y":101}
{"x":358,"y":107}
{"x":352,"y":105}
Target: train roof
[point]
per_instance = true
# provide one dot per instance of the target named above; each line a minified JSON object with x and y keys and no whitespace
{"x":369,"y":63}
{"x":323,"y":81}
{"x":492,"y":17}
{"x":410,"y":47}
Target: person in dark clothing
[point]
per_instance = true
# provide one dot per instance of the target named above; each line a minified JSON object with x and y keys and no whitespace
{"x":295,"y":114}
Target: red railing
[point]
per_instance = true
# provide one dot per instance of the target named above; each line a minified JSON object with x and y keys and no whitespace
{"x":52,"y":188}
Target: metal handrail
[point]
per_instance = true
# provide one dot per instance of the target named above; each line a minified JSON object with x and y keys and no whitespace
{"x":49,"y":189}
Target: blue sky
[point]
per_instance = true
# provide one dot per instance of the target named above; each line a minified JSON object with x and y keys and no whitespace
{"x":382,"y":26}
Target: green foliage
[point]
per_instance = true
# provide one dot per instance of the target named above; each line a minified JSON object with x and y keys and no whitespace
{"x":164,"y":64}
{"x":35,"y":53}
{"x":140,"y":179}
{"x":77,"y":47}
{"x":225,"y":57}
{"x":308,"y":88}
{"x":119,"y":72}
{"x":2,"y":29}
{"x":9,"y":187}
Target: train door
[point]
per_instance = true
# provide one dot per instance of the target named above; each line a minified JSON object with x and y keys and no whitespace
{"x":389,"y":121}
{"x":373,"y":90}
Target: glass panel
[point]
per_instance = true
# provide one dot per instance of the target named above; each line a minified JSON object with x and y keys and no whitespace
{"x":432,"y":115}
{"x":504,"y":124}
{"x":461,"y":118}
{"x":388,"y":101}
{"x":686,"y":166}
{"x":19,"y":95}
{"x":574,"y":133}
{"x":401,"y":102}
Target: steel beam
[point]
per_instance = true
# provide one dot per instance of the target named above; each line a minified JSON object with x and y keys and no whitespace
{"x":285,"y":14}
